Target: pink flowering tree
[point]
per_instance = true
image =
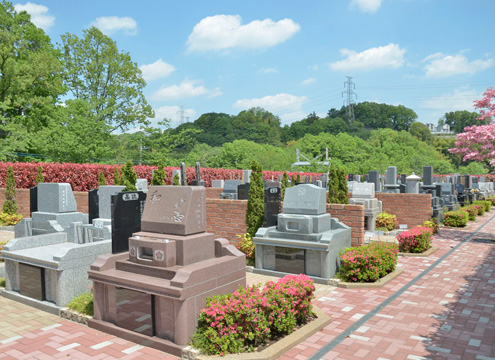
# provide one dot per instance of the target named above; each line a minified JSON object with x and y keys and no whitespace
{"x":477,"y":142}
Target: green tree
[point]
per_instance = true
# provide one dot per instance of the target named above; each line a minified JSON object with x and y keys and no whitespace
{"x":128,"y":177}
{"x":255,"y":212}
{"x":116,"y":176}
{"x":421,"y":132}
{"x":458,"y":120}
{"x":159,"y":176}
{"x":39,"y":176}
{"x":10,"y":205}
{"x":107,"y":79}
{"x":284,"y":185}
{"x":176,"y":180}
{"x":101,"y":179}
{"x":30,"y":81}
{"x":337,"y":185}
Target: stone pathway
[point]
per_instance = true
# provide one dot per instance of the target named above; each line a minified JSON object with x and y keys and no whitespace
{"x":440,"y":307}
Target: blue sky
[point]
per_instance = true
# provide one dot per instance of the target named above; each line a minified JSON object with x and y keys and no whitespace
{"x":292,"y":57}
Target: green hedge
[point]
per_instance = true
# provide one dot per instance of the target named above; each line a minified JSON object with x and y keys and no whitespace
{"x":456,"y":218}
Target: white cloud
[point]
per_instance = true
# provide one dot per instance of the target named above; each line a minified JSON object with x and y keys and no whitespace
{"x":441,"y":65}
{"x":268,"y":70}
{"x":287,"y":106}
{"x":39,"y":14}
{"x":389,"y":56}
{"x":187,"y":88}
{"x":222,"y":32}
{"x":313,"y":67}
{"x":111,"y":24}
{"x":460,"y":99}
{"x":367,"y":6}
{"x":308,"y":81}
{"x":158,"y":69}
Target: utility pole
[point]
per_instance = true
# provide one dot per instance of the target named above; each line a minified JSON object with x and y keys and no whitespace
{"x":349,"y":101}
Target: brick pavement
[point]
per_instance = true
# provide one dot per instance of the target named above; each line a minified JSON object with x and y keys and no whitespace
{"x":441,"y":307}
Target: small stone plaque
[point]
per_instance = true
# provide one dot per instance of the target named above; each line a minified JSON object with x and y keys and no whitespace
{"x":402,"y":226}
{"x":175,"y":210}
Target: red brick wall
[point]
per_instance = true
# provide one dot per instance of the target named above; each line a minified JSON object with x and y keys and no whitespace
{"x":213,"y":193}
{"x":410,"y":209}
{"x":353,"y":216}
{"x":82,"y":201}
{"x":226,"y":218}
{"x":22,"y":197}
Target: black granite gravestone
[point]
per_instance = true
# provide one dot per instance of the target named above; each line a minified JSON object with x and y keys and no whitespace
{"x":127,"y":209}
{"x":33,"y":199}
{"x":272,"y":205}
{"x":93,"y":205}
{"x":243,"y":191}
{"x":350,"y":177}
{"x":403,"y":178}
{"x":402,"y":188}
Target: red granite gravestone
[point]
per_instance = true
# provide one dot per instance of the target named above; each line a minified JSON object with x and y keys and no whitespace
{"x":153,"y":294}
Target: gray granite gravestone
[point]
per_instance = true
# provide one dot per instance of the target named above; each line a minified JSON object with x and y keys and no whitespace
{"x":412,"y":182}
{"x":374,"y":177}
{"x":391,"y":185}
{"x":305,"y":240}
{"x":217,"y":184}
{"x":246,"y":176}
{"x":230,"y":189}
{"x":364,"y":194}
{"x":183,"y":175}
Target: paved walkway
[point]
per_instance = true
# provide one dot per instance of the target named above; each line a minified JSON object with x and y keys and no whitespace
{"x":440,"y":307}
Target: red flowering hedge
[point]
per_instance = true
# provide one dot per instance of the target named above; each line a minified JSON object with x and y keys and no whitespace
{"x":84,"y":177}
{"x":367,"y":263}
{"x":416,"y":240}
{"x":250,"y":316}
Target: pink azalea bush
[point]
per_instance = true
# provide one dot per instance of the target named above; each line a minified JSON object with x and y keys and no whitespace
{"x":416,"y":240}
{"x":250,"y":316}
{"x":367,"y":263}
{"x":456,"y":218}
{"x":472,"y":211}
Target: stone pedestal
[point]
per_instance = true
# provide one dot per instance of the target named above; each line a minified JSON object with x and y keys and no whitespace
{"x":153,"y":294}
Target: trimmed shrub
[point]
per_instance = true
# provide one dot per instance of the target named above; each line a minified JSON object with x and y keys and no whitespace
{"x":39,"y":175}
{"x":101,"y":179}
{"x":159,"y":176}
{"x":416,"y":240}
{"x":176,"y":180}
{"x":255,"y":211}
{"x":456,"y":218}
{"x":246,"y":246}
{"x":284,"y":185}
{"x":116,"y":176}
{"x":83,"y":304}
{"x":432,"y":224}
{"x":387,"y":221}
{"x":368,"y":263}
{"x":8,"y":219}
{"x":10,"y":204}
{"x":84,"y":177}
{"x":128,"y":177}
{"x":337,"y":185}
{"x":250,"y":316}
{"x":488,"y":205}
{"x":472,"y":211}
{"x":482,"y":204}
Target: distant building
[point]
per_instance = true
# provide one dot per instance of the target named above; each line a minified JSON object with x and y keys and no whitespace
{"x":440,"y":129}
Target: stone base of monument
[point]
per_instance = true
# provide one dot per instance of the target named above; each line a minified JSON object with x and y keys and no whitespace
{"x":153,"y":293}
{"x":159,"y":306}
{"x":306,"y":239}
{"x":47,"y":269}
